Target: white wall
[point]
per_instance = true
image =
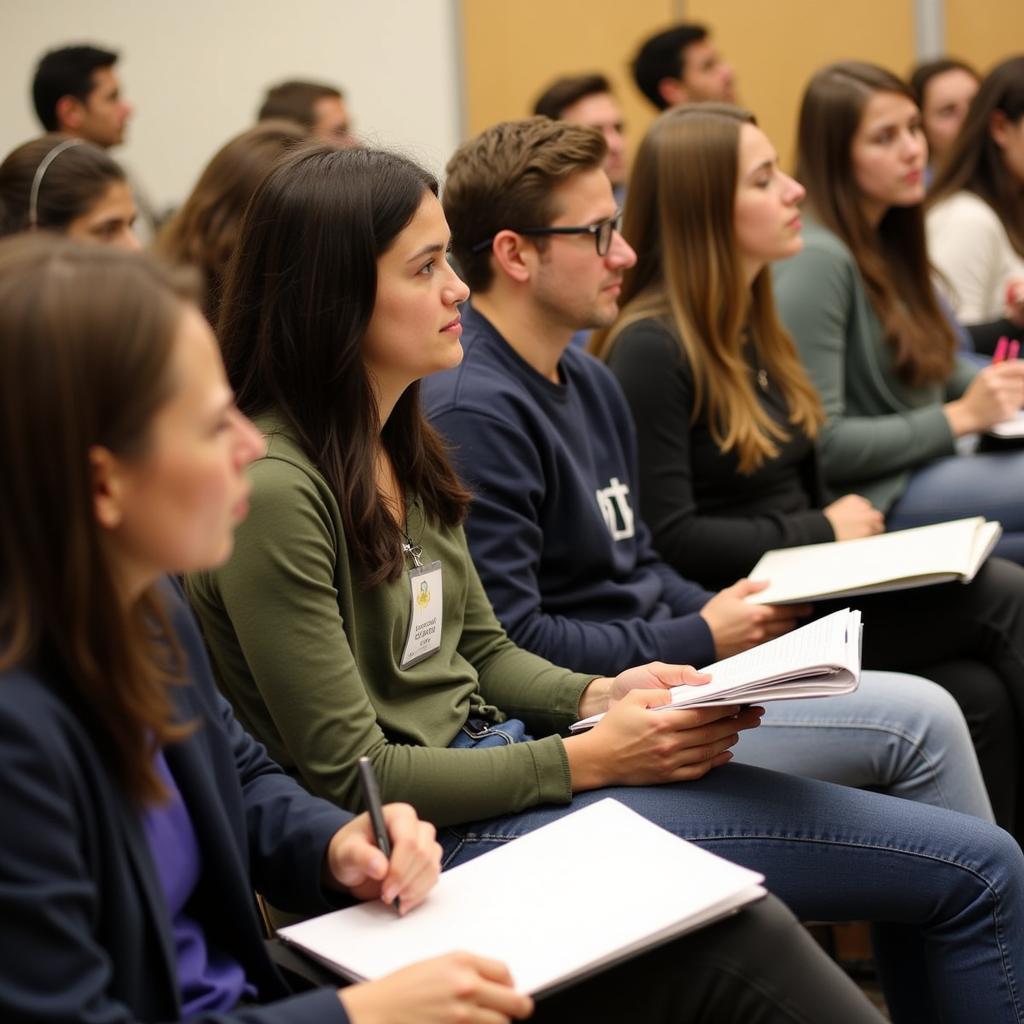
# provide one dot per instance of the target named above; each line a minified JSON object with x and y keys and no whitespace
{"x":196,"y":69}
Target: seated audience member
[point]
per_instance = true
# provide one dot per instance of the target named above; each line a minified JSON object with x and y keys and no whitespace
{"x":589,"y":100}
{"x":204,"y":231}
{"x":355,"y":508}
{"x":76,"y":91}
{"x":943,"y":90}
{"x":138,"y":814}
{"x":320,"y":108}
{"x":681,"y":65}
{"x":975,"y":218}
{"x":859,"y":302}
{"x":543,"y":436}
{"x":698,"y":346}
{"x":63,"y":184}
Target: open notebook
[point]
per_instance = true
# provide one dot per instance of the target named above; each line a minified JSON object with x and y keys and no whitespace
{"x":588,"y":890}
{"x":941,"y":553}
{"x":821,"y":659}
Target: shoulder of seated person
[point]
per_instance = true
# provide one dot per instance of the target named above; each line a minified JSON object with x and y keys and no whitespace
{"x":651,"y":337}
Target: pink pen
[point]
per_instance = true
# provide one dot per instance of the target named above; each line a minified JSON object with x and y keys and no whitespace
{"x":1014,"y":349}
{"x":1001,"y":346}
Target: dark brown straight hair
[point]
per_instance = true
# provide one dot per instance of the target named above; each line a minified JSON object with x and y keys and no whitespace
{"x":892,"y":258}
{"x":299,"y":296}
{"x":86,"y":336}
{"x":680,"y":219}
{"x":976,"y":163}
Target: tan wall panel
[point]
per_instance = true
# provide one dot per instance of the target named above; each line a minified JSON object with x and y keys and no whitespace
{"x":776,"y":47}
{"x":513,"y":50}
{"x":983,"y":32}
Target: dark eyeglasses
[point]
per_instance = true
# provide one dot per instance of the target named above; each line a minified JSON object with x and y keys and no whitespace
{"x":602,"y":232}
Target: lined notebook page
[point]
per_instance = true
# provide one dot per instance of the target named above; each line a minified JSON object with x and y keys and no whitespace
{"x":554,"y":904}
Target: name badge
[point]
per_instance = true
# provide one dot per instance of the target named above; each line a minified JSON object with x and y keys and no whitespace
{"x":425,"y":616}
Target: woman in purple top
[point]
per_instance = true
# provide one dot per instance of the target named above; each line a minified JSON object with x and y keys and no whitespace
{"x":137,"y":815}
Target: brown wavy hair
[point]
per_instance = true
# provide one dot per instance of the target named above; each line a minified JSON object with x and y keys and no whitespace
{"x":892,"y":258}
{"x":679,"y":218}
{"x":204,"y":232}
{"x":976,"y":163}
{"x":86,"y":336}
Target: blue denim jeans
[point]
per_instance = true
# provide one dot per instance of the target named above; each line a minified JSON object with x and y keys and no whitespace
{"x":945,"y":890}
{"x":989,"y":484}
{"x":897,"y":733}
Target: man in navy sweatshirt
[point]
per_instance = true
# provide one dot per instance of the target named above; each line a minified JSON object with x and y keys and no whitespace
{"x":544,"y":437}
{"x":541,"y":430}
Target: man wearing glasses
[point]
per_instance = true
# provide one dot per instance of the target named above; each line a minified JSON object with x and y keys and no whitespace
{"x":541,"y":431}
{"x":543,"y":435}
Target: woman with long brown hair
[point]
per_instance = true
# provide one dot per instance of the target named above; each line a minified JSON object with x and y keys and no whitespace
{"x":975,"y":207}
{"x":861,"y":306}
{"x":137,"y":815}
{"x":727,"y":422}
{"x":327,"y":635}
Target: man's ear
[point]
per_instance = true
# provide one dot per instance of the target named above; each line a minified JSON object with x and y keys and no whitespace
{"x":673,"y":92}
{"x":107,"y":487}
{"x":69,"y":110}
{"x":513,"y":255}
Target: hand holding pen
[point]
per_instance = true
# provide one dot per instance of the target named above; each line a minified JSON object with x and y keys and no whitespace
{"x":402,"y":873}
{"x":995,"y":395}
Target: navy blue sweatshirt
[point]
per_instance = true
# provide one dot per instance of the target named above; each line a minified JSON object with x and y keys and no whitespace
{"x":554,"y":528}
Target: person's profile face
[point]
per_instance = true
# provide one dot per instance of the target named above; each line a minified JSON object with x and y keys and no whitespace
{"x":110,"y":220}
{"x":601,"y":110}
{"x":103,"y":116}
{"x":332,"y":123}
{"x":706,"y":76}
{"x":175,"y":505}
{"x":947,"y":96}
{"x":574,"y":286}
{"x":765,"y":213}
{"x":415,"y":328}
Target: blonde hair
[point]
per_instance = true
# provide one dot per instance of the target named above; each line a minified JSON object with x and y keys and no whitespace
{"x":680,"y":220}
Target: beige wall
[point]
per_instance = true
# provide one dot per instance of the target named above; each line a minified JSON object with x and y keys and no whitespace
{"x":776,"y":47}
{"x":514,"y":49}
{"x":983,"y":32}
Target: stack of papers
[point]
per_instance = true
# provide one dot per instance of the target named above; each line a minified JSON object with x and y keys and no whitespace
{"x":888,"y":561}
{"x":544,"y":904}
{"x":821,"y":659}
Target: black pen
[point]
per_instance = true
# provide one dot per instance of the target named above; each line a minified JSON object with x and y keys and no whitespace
{"x":371,"y":797}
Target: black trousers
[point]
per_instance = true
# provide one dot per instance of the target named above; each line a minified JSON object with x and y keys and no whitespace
{"x":758,"y":967}
{"x":968,"y":638}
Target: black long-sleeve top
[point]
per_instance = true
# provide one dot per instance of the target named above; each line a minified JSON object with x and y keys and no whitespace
{"x":709,"y":521}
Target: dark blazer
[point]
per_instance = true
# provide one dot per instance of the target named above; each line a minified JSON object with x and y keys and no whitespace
{"x":84,"y":931}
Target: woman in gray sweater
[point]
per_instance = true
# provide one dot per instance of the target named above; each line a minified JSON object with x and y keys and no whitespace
{"x":859,"y":302}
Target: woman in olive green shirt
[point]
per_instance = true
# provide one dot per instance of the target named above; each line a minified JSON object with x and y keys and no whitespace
{"x":321,"y":631}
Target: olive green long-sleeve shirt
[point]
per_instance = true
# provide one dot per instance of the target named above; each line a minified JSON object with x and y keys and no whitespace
{"x":310,"y":660}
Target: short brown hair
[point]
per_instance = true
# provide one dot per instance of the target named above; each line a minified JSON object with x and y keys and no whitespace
{"x":293,"y":101}
{"x":504,"y":179}
{"x":562,"y":93}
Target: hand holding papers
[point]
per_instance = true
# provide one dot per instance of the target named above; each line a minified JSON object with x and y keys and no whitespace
{"x":889,"y":561}
{"x":557,"y":918}
{"x":820,"y":659}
